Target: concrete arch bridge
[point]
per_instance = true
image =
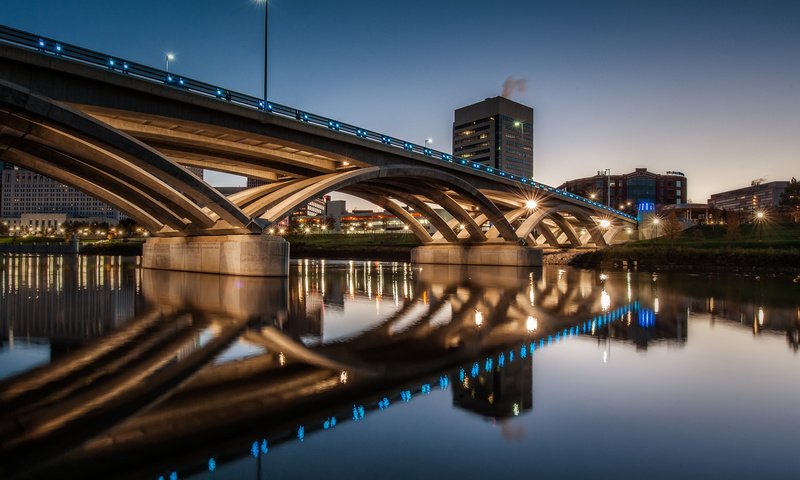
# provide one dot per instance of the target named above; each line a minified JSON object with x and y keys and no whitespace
{"x":123,"y":132}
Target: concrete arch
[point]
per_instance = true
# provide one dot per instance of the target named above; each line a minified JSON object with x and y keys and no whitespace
{"x":395,"y":209}
{"x":538,"y":216}
{"x":444,"y":229}
{"x":80,"y":136}
{"x":419,"y":205}
{"x":279,"y":203}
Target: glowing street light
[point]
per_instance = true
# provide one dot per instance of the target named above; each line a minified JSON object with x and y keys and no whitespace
{"x":656,"y":222}
{"x":169,"y":57}
{"x":760,"y":216}
{"x":428,"y":141}
{"x":532,"y":323}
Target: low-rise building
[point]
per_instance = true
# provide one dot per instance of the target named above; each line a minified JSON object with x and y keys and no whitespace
{"x":758,"y":196}
{"x":629,"y":190}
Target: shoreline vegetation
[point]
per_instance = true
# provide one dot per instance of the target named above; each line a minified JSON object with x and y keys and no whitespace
{"x":750,"y":247}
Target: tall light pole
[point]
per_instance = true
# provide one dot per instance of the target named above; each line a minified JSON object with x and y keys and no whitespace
{"x":169,"y":57}
{"x":266,"y":36}
{"x":428,"y":141}
{"x":521,"y":126}
{"x":607,"y":171}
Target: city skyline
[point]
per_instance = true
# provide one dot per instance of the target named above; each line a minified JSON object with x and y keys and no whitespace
{"x":712,"y":90}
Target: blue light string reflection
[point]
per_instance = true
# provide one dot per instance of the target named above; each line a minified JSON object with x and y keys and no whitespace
{"x":646,"y":319}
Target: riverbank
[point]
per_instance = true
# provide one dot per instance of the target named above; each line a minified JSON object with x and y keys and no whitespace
{"x":771,"y":247}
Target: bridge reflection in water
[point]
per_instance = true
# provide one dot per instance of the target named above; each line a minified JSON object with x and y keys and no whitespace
{"x":210,"y":368}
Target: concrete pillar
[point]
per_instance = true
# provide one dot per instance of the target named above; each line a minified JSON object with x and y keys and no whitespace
{"x":497,"y":254}
{"x":247,"y":255}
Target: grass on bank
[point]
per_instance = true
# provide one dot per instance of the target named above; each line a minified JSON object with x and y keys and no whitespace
{"x":767,"y":246}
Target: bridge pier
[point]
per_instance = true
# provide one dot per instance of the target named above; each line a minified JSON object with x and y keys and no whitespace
{"x":247,"y":255}
{"x":496,"y":254}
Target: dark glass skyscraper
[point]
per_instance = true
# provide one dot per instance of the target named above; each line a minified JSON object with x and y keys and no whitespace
{"x":497,"y":132}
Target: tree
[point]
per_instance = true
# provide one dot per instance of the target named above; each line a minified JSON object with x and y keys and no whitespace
{"x":733,"y":221}
{"x":790,"y":200}
{"x":672,"y":226}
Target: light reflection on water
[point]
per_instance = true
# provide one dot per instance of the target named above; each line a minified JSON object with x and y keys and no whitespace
{"x":353,"y":366}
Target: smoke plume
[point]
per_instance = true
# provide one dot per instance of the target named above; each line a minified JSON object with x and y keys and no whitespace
{"x":512,"y":85}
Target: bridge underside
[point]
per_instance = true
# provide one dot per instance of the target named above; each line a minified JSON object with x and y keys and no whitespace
{"x":134,"y":161}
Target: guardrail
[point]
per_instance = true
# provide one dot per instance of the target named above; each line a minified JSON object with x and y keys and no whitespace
{"x":49,"y":46}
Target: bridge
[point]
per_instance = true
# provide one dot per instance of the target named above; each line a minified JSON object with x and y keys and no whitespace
{"x":123,"y":131}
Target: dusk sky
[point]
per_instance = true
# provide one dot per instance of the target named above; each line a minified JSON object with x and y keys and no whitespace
{"x":708,"y":88}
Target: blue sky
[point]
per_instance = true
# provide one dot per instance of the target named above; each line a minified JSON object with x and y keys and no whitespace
{"x":704,"y":87}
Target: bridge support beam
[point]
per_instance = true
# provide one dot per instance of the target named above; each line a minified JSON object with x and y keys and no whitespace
{"x":247,"y":255}
{"x":498,"y":254}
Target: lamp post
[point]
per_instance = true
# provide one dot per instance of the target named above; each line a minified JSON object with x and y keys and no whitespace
{"x":428,"y":141}
{"x":656,"y":221}
{"x":759,"y":220}
{"x":169,"y":57}
{"x":607,"y":171}
{"x":266,"y":30}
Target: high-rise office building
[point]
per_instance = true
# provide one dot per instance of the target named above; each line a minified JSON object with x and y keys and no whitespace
{"x":497,"y":132}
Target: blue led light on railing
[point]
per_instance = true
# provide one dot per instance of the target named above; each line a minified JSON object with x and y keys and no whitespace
{"x":463,"y":162}
{"x":501,"y":173}
{"x":59,"y":48}
{"x":487,"y":366}
{"x":41,"y":42}
{"x":386,"y":140}
{"x":427,"y":151}
{"x":489,"y":169}
{"x":523,"y":352}
{"x":261,"y":104}
{"x":425,"y":389}
{"x":169,"y":78}
{"x":444,"y":381}
{"x":383,"y":403}
{"x":523,"y":180}
{"x":264,"y":446}
{"x":501,"y":360}
{"x":254,"y":449}
{"x":475,"y":370}
{"x":511,"y":356}
{"x":405,"y":396}
{"x":301,"y":433}
{"x":408,"y":146}
{"x":212,"y":464}
{"x":173,"y":476}
{"x":124,"y":65}
{"x":110,"y":62}
{"x":461,"y":375}
{"x":446,"y":157}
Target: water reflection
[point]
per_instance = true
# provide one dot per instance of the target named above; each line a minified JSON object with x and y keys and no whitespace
{"x":175,"y":372}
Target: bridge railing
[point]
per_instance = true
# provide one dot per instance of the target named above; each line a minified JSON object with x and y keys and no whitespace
{"x":49,"y":46}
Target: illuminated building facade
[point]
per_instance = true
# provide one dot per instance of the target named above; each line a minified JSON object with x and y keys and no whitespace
{"x":496,"y":132}
{"x":749,"y":199}
{"x":631,"y":189}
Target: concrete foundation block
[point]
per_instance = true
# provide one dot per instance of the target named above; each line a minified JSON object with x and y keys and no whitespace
{"x":496,"y":254}
{"x":247,"y":255}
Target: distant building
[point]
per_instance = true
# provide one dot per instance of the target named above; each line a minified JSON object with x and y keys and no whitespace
{"x":496,"y":132}
{"x":26,"y":192}
{"x":629,"y":190}
{"x":749,"y":199}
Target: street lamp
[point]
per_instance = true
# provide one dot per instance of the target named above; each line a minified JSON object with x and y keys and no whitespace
{"x":169,"y":57}
{"x":428,"y":141}
{"x":607,"y":172}
{"x":266,"y":29}
{"x":656,"y":221}
{"x":760,"y":215}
